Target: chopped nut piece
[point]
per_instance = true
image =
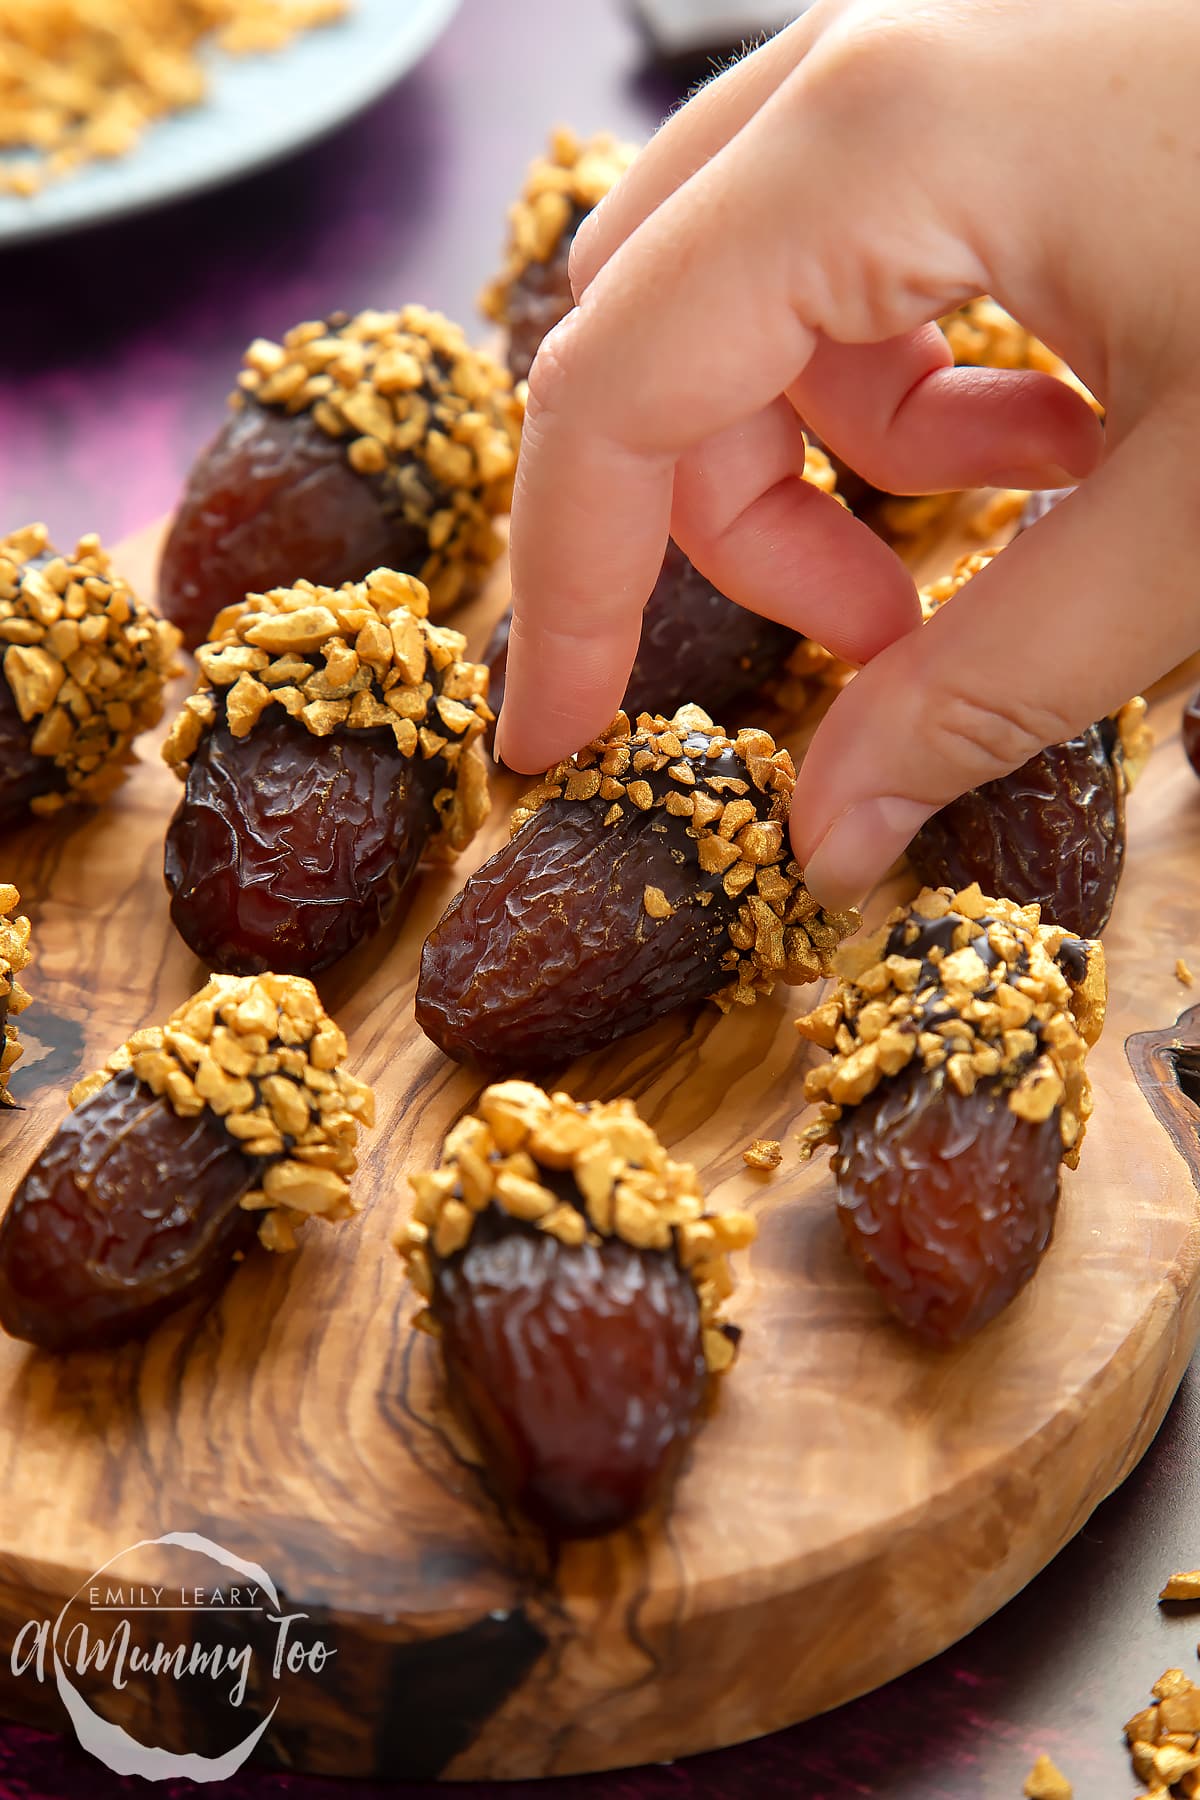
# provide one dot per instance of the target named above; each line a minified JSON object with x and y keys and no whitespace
{"x":763,"y":1153}
{"x":1183,"y":973}
{"x":1047,"y":1782}
{"x":1184,"y":1586}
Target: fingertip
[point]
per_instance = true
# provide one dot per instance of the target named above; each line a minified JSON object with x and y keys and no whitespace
{"x":844,"y":858}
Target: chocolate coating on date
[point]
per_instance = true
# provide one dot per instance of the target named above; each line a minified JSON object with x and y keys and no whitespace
{"x":1053,"y":832}
{"x":287,"y":849}
{"x":127,"y":1213}
{"x":580,"y":1368}
{"x":273,"y":499}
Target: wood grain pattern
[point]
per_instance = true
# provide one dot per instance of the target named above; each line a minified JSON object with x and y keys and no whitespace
{"x":856,"y":1503}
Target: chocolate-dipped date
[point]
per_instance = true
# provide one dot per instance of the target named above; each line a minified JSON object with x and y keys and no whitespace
{"x":83,"y":665}
{"x":333,"y":745}
{"x":381,"y":440}
{"x":696,"y":645}
{"x":14,"y":957}
{"x":1191,"y":731}
{"x":532,"y":292}
{"x":956,"y":1089}
{"x":1050,"y":834}
{"x":573,"y":1281}
{"x":650,"y":871}
{"x":170,"y":1164}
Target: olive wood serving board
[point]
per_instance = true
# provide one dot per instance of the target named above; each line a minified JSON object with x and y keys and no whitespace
{"x":855,"y":1503}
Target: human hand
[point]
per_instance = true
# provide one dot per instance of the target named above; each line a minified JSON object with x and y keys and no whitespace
{"x":779,"y":251}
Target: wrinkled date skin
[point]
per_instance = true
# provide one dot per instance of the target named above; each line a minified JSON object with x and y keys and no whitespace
{"x":127,"y":1213}
{"x":581,"y":1369}
{"x":538,"y":299}
{"x":287,"y":849}
{"x":23,"y":776}
{"x":696,"y":646}
{"x":1053,"y":831}
{"x":946,"y":1202}
{"x":1191,"y":731}
{"x":548,"y":953}
{"x":274,"y":499}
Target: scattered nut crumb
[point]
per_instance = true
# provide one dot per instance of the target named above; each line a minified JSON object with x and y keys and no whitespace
{"x":763,"y":1153}
{"x":1047,"y":1782}
{"x":1184,"y":1586}
{"x":1183,"y":973}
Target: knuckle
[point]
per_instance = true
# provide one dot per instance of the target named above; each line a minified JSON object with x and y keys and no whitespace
{"x":552,"y":374}
{"x":983,"y":737}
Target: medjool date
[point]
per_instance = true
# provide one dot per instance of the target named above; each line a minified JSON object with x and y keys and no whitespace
{"x":381,"y":440}
{"x":956,"y":1088}
{"x":574,"y":1282}
{"x":83,"y":669}
{"x":1053,"y":832}
{"x":334,"y":743}
{"x":159,"y":1179}
{"x":533,"y":291}
{"x":650,"y":871}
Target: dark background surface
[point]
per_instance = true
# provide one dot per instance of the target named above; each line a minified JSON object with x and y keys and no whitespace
{"x":119,"y":348}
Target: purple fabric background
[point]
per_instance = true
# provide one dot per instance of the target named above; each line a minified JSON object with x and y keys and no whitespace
{"x":118,"y":350}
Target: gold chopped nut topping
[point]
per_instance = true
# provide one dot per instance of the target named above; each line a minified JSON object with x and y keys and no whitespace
{"x":434,"y":422}
{"x":81,"y":80}
{"x":261,"y":1053}
{"x":763,"y":1153}
{"x":354,"y":658}
{"x":624,"y":1186}
{"x":968,"y":989}
{"x":730,"y":799}
{"x":85,"y":661}
{"x":14,"y":956}
{"x":1183,"y":973}
{"x":1045,"y":1781}
{"x":559,"y":189}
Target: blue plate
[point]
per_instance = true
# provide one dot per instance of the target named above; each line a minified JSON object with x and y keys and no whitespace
{"x":259,"y":108}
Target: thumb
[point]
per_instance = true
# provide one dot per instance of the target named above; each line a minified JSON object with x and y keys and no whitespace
{"x":1074,"y":617}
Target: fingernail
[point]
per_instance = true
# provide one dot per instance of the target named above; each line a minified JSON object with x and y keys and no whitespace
{"x":860,"y":847}
{"x":1033,"y":478}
